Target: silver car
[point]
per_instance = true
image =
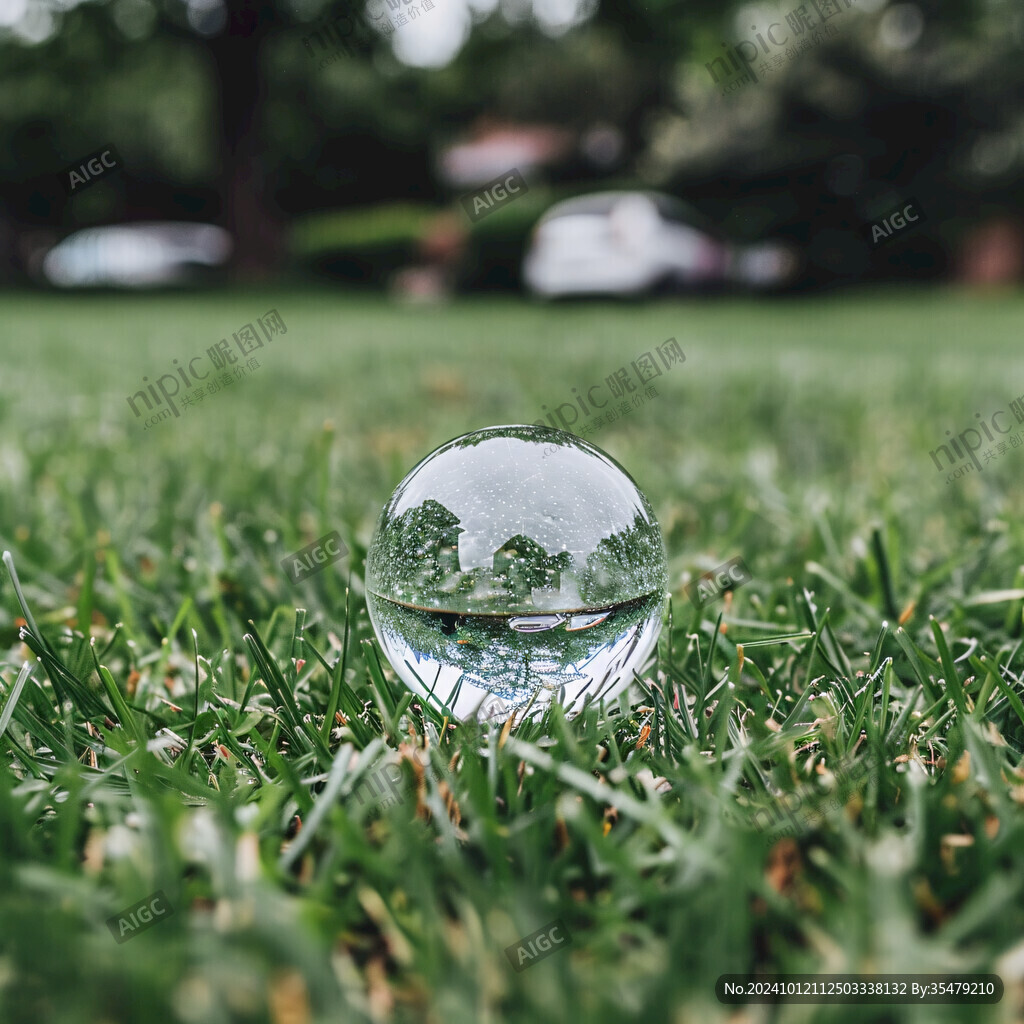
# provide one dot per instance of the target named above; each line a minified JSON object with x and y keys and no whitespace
{"x":630,"y":243}
{"x":137,"y":255}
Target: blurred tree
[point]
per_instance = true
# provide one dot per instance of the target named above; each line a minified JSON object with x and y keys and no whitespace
{"x":219,"y":109}
{"x":906,"y":100}
{"x":221,"y":112}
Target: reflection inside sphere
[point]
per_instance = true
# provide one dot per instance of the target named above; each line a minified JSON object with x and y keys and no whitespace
{"x":458,"y":660}
{"x":518,"y":563}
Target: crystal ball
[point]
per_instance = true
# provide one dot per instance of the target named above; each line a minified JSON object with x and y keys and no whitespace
{"x":515,"y":567}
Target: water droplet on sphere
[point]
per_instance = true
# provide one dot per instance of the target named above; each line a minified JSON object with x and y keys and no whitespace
{"x":516,"y":564}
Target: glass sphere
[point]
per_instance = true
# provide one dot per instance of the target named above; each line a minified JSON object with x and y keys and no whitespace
{"x":514,"y":567}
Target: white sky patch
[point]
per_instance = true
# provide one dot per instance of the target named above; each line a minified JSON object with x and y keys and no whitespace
{"x":994,"y":154}
{"x":12,"y":11}
{"x":901,"y":27}
{"x":434,"y":38}
{"x":36,"y":25}
{"x":761,"y":15}
{"x":558,"y":16}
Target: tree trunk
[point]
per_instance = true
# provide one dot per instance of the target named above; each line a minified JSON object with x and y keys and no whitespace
{"x":247,"y":209}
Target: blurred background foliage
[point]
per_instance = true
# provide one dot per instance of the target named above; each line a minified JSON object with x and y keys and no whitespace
{"x":222,"y":113}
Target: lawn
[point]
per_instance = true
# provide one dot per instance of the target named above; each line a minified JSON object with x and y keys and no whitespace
{"x":825,"y":780}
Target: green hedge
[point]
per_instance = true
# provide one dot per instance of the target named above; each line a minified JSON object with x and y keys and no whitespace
{"x":362,"y":244}
{"x":366,"y":244}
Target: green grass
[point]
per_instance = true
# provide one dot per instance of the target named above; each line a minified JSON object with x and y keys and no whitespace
{"x":176,"y":725}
